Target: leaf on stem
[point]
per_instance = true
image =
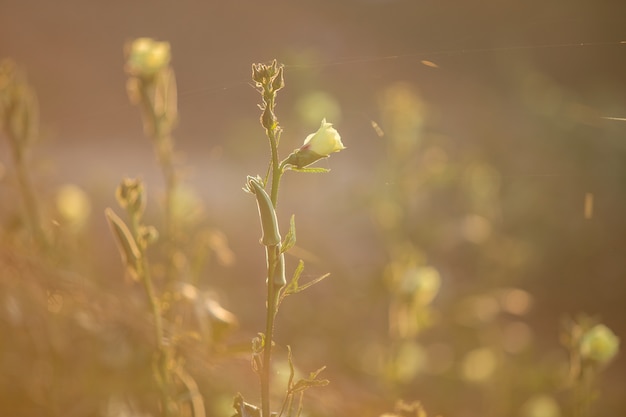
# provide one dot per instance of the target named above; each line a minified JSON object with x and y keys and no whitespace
{"x":290,"y":239}
{"x":294,"y":286}
{"x":243,"y":409}
{"x":313,"y":170}
{"x":311,"y":381}
{"x":125,"y":242}
{"x":258,"y":345}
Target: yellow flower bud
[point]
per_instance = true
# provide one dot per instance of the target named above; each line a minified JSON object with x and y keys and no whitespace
{"x":316,"y":146}
{"x":325,"y":141}
{"x":599,"y":344}
{"x":146,"y":57}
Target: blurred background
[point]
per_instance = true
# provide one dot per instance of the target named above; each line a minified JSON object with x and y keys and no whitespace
{"x":485,"y":150}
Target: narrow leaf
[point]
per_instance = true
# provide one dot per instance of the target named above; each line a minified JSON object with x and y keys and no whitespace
{"x":290,"y":239}
{"x":125,"y":242}
{"x":292,"y":287}
{"x":311,"y":283}
{"x":312,"y":170}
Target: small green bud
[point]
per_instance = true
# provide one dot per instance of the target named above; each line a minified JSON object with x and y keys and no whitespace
{"x":145,"y":57}
{"x":130,"y":195}
{"x":259,"y":74}
{"x":146,"y":236}
{"x":599,"y":344}
{"x":278,"y":81}
{"x":268,"y":119}
{"x":267,"y":214}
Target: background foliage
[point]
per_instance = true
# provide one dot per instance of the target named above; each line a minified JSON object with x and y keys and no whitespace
{"x":489,"y":132}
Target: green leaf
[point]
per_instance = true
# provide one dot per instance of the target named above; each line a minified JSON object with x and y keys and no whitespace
{"x":244,"y":409}
{"x":292,"y":287}
{"x":292,"y":370}
{"x":125,"y":242}
{"x":311,"y":381}
{"x":313,"y":170}
{"x":311,"y":283}
{"x":290,"y":239}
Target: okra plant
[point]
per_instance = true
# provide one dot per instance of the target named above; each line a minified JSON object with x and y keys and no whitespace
{"x":269,"y":79}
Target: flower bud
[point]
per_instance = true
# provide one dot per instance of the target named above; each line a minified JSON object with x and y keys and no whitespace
{"x":278,"y":81}
{"x":268,"y":119}
{"x":146,"y":57}
{"x":130,"y":195}
{"x":316,"y":146}
{"x":599,"y":344}
{"x":325,"y":141}
{"x":147,"y":235}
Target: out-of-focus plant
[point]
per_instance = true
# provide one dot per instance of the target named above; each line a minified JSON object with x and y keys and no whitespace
{"x":19,"y":120}
{"x":403,"y":409}
{"x":152,"y":86}
{"x":412,"y":282}
{"x":592,"y":346}
{"x":269,"y":79}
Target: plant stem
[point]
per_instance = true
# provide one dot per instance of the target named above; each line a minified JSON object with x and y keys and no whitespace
{"x":276,"y":168}
{"x":269,"y":330}
{"x":28,"y":195}
{"x":163,"y":378}
{"x":164,"y":153}
{"x":272,"y":261}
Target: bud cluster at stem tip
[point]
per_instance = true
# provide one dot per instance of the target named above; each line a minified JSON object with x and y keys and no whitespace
{"x":130,"y":195}
{"x":146,"y":57}
{"x":269,"y":79}
{"x":599,"y":344}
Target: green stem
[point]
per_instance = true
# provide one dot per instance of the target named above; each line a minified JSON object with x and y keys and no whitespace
{"x":163,"y":379}
{"x":164,"y":152}
{"x":272,"y":262}
{"x":277,"y":170}
{"x":28,"y":195}
{"x":269,"y":331}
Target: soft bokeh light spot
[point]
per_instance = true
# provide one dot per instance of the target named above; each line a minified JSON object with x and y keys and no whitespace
{"x":483,"y":186}
{"x":516,"y":337}
{"x":588,"y":206}
{"x":440,"y":358}
{"x":13,"y":309}
{"x":55,"y":302}
{"x":479,"y":365}
{"x":421,"y":283}
{"x":403,"y":115}
{"x":187,"y":206}
{"x":316,"y":106}
{"x":515,"y":301}
{"x":475,"y":228}
{"x":371,"y":357}
{"x":478,"y":309}
{"x":599,"y":344}
{"x":73,"y":204}
{"x":541,"y":406}
{"x":411,"y":359}
{"x":387,"y":213}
